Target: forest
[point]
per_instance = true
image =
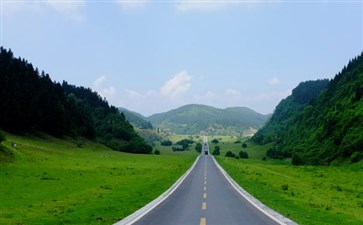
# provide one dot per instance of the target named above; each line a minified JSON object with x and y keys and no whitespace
{"x":320,"y":123}
{"x":31,"y":102}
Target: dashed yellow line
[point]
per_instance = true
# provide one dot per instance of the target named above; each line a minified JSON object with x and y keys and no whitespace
{"x":204,"y":206}
{"x":205,"y":195}
{"x":203,"y":221}
{"x":205,"y":188}
{"x":205,"y":182}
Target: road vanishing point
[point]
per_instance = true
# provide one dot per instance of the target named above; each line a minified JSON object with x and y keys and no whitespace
{"x":205,"y":197}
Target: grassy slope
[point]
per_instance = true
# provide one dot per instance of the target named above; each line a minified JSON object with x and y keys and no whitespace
{"x":315,"y":194}
{"x":53,"y":181}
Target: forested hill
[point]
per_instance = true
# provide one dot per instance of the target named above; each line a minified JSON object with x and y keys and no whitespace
{"x":30,"y":101}
{"x":136,"y":119}
{"x":328,"y":129}
{"x":197,"y":119}
{"x":287,"y":110}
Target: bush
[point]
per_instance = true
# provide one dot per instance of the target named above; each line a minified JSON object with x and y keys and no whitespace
{"x":2,"y":137}
{"x":216,"y":150}
{"x":157,"y":152}
{"x":185,"y":143}
{"x":237,"y":157}
{"x":215,"y":141}
{"x":243,"y":155}
{"x":356,"y":157}
{"x":285,"y":187}
{"x":244,"y":145}
{"x":166,"y":143}
{"x":198,"y":147}
{"x":297,"y":159}
{"x":264,"y":158}
{"x":230,"y":154}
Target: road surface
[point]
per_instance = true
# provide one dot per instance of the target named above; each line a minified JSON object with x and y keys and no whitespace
{"x":205,"y":197}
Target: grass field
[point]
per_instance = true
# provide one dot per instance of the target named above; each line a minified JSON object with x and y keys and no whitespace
{"x":307,"y":194}
{"x":53,"y":181}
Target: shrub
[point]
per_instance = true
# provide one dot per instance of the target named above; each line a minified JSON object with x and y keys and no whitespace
{"x":166,"y":143}
{"x":243,"y":155}
{"x":157,"y":152}
{"x":198,"y":147}
{"x":285,"y":187}
{"x":216,"y":150}
{"x":237,"y":157}
{"x":356,"y":157}
{"x":244,"y":145}
{"x":264,"y":158}
{"x":230,"y":154}
{"x":215,"y":141}
{"x":2,"y":137}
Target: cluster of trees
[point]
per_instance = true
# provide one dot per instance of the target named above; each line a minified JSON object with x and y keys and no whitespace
{"x":321,"y":129}
{"x":185,"y":144}
{"x":31,"y":101}
{"x":137,"y":120}
{"x":216,"y":150}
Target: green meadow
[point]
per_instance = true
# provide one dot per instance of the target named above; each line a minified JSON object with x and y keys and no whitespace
{"x":57,"y":181}
{"x":306,"y":194}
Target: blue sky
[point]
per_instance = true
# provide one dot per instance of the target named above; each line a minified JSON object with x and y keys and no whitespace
{"x":153,"y":56}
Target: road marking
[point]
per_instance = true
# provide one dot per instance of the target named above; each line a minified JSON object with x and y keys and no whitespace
{"x":205,"y":178}
{"x":205,"y":195}
{"x":204,"y":206}
{"x":205,"y":188}
{"x":203,"y":221}
{"x":205,"y":182}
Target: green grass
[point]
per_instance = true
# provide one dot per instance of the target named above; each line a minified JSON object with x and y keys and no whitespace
{"x":306,"y":194}
{"x":53,"y":181}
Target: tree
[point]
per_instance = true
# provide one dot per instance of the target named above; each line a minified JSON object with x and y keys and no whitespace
{"x":230,"y":154}
{"x":198,"y":147}
{"x":243,"y":155}
{"x":244,"y":145}
{"x":216,"y":150}
{"x":215,"y":141}
{"x":166,"y":143}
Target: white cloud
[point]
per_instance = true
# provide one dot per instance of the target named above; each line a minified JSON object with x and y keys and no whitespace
{"x":233,"y":93}
{"x":15,"y":7}
{"x":273,"y":81}
{"x":131,"y":4}
{"x":106,"y":92}
{"x":70,"y":9}
{"x":200,"y":5}
{"x":177,"y":86}
{"x":73,"y":10}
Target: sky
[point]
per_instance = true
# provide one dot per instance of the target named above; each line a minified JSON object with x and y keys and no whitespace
{"x":154,"y":56}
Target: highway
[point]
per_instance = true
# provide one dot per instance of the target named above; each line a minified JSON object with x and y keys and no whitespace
{"x":205,"y":197}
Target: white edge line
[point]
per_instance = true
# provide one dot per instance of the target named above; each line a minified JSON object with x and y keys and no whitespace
{"x":153,"y":204}
{"x":277,"y":217}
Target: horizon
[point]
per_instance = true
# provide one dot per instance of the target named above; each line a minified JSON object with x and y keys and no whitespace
{"x":151,"y":57}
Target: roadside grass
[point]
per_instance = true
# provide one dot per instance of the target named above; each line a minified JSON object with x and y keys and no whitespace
{"x":57,"y":181}
{"x":306,"y":194}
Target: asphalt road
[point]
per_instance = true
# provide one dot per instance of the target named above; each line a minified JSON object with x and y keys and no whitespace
{"x":205,"y":197}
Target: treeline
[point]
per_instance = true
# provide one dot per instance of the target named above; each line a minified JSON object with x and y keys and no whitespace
{"x":328,"y":128}
{"x":30,"y":101}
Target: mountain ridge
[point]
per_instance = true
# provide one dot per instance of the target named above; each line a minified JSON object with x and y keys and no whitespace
{"x":198,"y":118}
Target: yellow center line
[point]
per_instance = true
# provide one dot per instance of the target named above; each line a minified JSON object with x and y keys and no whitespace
{"x":205,"y":188}
{"x":203,"y":221}
{"x":205,"y":182}
{"x":204,"y":206}
{"x":205,"y":195}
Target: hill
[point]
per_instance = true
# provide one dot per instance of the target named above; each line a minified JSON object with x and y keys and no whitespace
{"x":31,"y":102}
{"x":198,"y":119}
{"x":287,"y":110}
{"x":329,"y":128}
{"x":136,"y":119}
